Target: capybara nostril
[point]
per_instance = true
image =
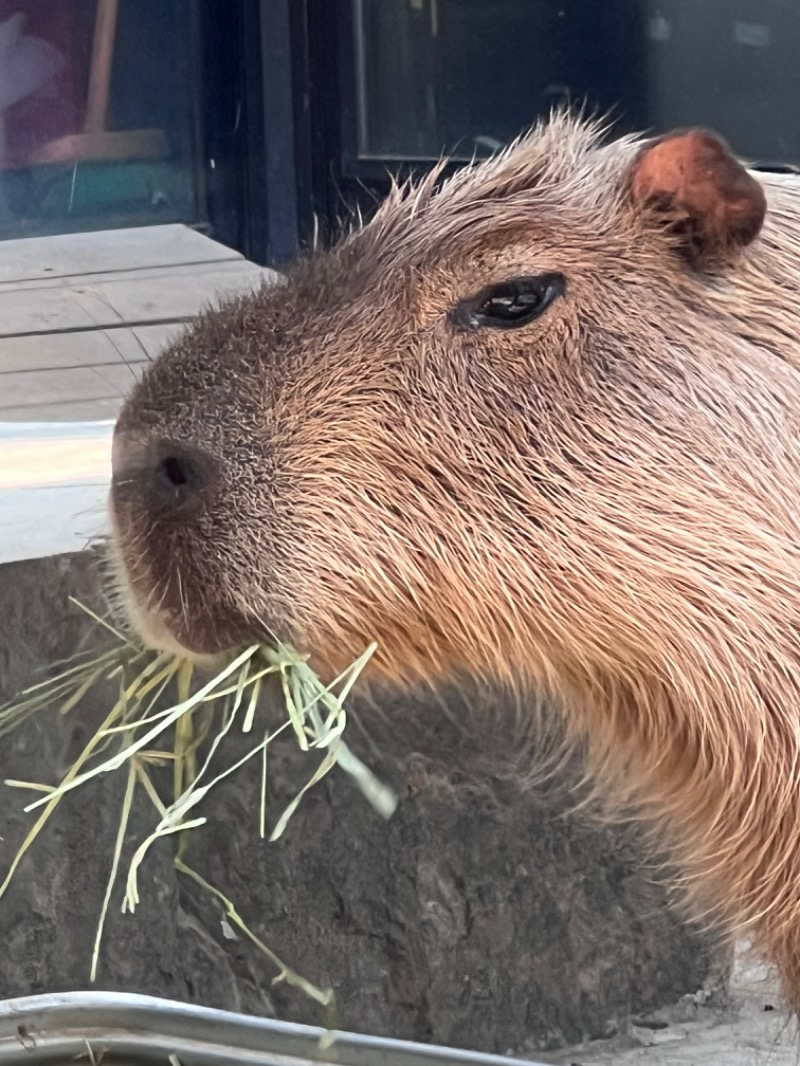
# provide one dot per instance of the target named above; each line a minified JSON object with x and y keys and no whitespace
{"x":176,"y":471}
{"x":178,"y":476}
{"x":159,"y":472}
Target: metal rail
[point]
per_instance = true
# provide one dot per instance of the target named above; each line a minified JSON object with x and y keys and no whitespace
{"x":115,"y":1029}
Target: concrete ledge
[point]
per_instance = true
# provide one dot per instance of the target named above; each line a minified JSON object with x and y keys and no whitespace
{"x":54,"y":481}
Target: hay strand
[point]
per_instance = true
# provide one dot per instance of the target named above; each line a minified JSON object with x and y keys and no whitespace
{"x":137,"y":726}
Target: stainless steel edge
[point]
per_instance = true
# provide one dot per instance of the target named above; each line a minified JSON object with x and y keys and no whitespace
{"x":131,"y":1030}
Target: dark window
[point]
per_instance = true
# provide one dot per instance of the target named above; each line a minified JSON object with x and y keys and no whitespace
{"x":461,"y":77}
{"x":465,"y":76}
{"x":389,"y":86}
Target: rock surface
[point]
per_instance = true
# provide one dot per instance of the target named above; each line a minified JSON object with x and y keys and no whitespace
{"x":750,"y":1027}
{"x":480,"y":916}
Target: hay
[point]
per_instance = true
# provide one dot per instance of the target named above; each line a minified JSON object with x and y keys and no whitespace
{"x":136,"y":736}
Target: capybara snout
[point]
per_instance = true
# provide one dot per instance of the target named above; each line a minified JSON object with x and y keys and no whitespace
{"x":539,"y":422}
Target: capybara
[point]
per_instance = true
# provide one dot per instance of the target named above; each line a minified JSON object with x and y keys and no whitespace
{"x":538,"y":422}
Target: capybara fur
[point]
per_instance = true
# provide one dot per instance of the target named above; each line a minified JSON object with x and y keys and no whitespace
{"x":538,"y":422}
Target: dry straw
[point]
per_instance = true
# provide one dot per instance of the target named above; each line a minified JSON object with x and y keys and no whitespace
{"x":136,"y":736}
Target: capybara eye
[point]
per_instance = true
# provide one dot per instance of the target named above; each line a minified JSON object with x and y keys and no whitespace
{"x":510,"y":304}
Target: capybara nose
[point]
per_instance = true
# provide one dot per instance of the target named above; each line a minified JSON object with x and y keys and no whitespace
{"x":166,"y":473}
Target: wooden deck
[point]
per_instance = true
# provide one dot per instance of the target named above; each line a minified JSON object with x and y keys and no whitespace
{"x":80,"y":316}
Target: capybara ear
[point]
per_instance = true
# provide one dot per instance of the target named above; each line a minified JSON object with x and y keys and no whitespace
{"x":692,"y":184}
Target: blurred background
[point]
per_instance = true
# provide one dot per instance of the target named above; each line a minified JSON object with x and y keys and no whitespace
{"x":244,"y":118}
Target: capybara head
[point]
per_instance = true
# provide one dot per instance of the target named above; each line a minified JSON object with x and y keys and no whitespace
{"x":539,"y":421}
{"x":463,"y":426}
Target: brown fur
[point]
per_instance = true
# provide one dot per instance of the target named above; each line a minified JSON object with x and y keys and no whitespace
{"x":604,"y":504}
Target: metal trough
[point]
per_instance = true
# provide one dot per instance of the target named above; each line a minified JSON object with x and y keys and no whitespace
{"x":111,"y":1029}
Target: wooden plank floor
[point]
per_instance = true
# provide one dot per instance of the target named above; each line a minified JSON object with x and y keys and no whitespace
{"x":80,"y":316}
